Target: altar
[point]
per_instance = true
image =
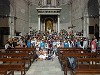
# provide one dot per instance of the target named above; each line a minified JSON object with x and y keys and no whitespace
{"x":49,"y":19}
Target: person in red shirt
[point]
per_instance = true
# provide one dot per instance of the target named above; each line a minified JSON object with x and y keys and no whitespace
{"x":93,"y":46}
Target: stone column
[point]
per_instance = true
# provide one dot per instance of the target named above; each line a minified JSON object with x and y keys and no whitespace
{"x":39,"y":22}
{"x":58,"y":24}
{"x":85,"y":30}
{"x":87,"y":26}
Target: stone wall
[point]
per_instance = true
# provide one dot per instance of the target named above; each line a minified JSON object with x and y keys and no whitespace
{"x":22,"y":14}
{"x":77,"y":13}
{"x":33,"y":17}
{"x":80,"y":17}
{"x":65,"y":17}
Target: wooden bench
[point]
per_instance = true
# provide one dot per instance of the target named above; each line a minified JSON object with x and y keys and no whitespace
{"x":5,"y":71}
{"x":87,"y":66}
{"x":71,"y":48}
{"x":60,"y":50}
{"x":13,"y":64}
{"x":30,"y":51}
{"x":76,"y":55}
{"x":24,"y":56}
{"x":68,"y":52}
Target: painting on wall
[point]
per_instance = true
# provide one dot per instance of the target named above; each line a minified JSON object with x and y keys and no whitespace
{"x":91,"y":29}
{"x":49,"y":25}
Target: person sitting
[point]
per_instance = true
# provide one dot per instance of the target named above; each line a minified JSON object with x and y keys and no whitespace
{"x":55,"y":51}
{"x":43,"y":54}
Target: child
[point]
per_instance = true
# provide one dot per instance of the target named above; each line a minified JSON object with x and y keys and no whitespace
{"x":55,"y":49}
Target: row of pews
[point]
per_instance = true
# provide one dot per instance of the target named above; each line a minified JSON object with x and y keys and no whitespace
{"x":16,"y":59}
{"x":86,"y":62}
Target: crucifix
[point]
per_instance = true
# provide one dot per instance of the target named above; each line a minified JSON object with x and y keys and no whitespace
{"x":71,"y":27}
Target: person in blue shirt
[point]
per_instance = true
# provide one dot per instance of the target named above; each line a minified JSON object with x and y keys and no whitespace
{"x":29,"y":43}
{"x":66,"y":45}
{"x":54,"y":43}
{"x":42,"y":45}
{"x":78,"y":43}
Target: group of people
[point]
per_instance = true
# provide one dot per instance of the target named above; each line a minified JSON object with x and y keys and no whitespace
{"x":46,"y":44}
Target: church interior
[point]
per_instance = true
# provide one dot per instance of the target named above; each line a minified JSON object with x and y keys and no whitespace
{"x":49,"y":37}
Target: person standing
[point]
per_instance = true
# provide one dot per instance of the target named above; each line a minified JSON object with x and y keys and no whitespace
{"x":93,"y":46}
{"x":98,"y":43}
{"x":85,"y":43}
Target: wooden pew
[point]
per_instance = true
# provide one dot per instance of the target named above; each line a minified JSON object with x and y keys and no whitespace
{"x":69,"y":51}
{"x":5,"y":71}
{"x":71,"y":48}
{"x":76,"y":55}
{"x":30,"y":51}
{"x":24,"y":56}
{"x":87,"y":66}
{"x":13,"y":64}
{"x":60,"y":50}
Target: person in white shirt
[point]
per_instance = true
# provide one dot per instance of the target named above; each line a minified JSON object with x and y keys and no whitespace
{"x":85,"y":43}
{"x":7,"y":45}
{"x":43,"y":54}
{"x":38,"y":43}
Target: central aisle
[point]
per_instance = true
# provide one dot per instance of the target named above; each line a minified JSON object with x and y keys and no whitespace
{"x":45,"y":67}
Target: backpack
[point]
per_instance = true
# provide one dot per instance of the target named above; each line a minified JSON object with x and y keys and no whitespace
{"x":71,"y":62}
